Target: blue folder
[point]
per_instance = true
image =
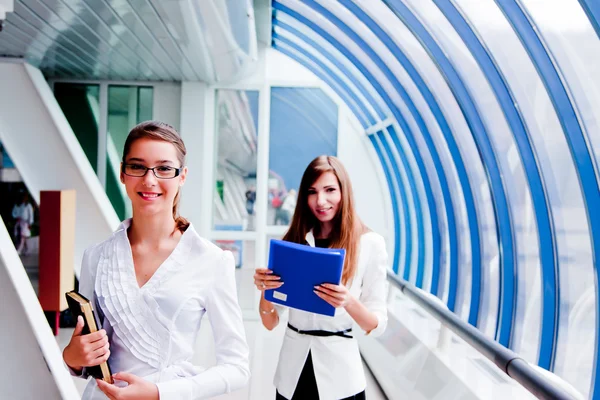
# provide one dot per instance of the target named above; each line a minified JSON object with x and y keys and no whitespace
{"x":301,"y":268}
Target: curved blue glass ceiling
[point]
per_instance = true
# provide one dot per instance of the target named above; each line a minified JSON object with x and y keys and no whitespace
{"x":592,"y":9}
{"x":549,"y":259}
{"x":508,"y":262}
{"x":434,"y":128}
{"x":574,"y":132}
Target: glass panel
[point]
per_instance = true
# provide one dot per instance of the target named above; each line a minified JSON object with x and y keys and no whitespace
{"x":421,"y":60}
{"x":393,"y":159}
{"x":336,"y":56}
{"x":144,"y":107}
{"x":345,"y":84}
{"x":5,"y":161}
{"x":573,"y":43}
{"x":399,"y":208}
{"x":575,"y":337}
{"x":304,"y":125}
{"x":235,"y":172}
{"x":575,"y":46}
{"x":80,"y":104}
{"x":127,"y":107}
{"x":515,"y":184}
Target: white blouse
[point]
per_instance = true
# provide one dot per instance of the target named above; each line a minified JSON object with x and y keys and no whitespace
{"x":336,"y":360}
{"x":153,"y":329}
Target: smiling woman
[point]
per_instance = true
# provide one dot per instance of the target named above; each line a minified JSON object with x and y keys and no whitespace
{"x":152,"y":282}
{"x":315,"y":345}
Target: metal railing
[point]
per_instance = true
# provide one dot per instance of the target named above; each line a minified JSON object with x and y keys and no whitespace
{"x":541,"y":384}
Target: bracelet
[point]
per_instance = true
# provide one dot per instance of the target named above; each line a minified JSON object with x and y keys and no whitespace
{"x":271,"y":311}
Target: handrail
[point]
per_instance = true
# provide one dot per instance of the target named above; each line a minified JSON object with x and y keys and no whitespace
{"x":508,"y":361}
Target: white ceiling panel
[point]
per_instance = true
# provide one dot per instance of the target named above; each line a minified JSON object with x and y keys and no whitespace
{"x":170,"y":40}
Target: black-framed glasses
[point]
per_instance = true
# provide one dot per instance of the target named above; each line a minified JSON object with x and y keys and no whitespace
{"x":161,"y":172}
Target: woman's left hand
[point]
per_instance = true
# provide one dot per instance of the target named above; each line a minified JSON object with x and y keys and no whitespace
{"x":336,"y":295}
{"x":137,"y":388}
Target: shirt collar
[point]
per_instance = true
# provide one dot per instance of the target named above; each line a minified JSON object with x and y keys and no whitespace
{"x":310,"y":238}
{"x":124,"y":225}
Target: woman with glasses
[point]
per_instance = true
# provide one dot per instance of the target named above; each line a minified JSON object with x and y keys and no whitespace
{"x":152,"y":282}
{"x":319,"y":358}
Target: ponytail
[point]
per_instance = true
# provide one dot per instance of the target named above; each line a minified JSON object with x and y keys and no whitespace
{"x":181,"y":223}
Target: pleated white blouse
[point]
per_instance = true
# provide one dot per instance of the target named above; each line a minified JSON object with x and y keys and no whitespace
{"x":153,"y":329}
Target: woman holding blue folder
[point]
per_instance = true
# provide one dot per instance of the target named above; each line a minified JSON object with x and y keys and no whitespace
{"x":320,"y":358}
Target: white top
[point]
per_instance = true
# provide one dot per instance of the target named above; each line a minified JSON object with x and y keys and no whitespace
{"x":24,"y":212}
{"x":153,"y":329}
{"x":336,"y":360}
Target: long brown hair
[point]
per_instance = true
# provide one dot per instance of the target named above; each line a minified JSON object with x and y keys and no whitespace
{"x":347,"y":226}
{"x":156,"y":130}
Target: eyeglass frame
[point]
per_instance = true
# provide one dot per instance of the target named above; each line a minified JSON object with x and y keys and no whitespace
{"x":177,"y":171}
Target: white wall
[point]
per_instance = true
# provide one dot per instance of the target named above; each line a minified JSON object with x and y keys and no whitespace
{"x":32,"y":366}
{"x":196,"y":131}
{"x":47,"y":154}
{"x":166,"y":104}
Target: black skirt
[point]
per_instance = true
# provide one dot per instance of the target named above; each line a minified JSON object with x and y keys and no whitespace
{"x":307,"y":385}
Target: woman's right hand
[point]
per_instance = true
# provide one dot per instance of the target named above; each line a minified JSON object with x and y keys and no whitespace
{"x":265,"y":280}
{"x":86,"y":350}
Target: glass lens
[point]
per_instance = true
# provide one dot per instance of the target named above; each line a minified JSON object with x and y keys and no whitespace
{"x":135,"y":170}
{"x":165,"y":172}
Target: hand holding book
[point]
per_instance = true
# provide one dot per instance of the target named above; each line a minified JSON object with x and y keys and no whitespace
{"x":89,"y":347}
{"x":86,"y":350}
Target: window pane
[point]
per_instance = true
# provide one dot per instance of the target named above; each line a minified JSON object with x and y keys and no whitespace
{"x":5,"y":161}
{"x":304,"y":125}
{"x":235,"y":170}
{"x":80,"y":104}
{"x":577,"y":318}
{"x":127,"y":107}
{"x":475,"y":171}
{"x":144,"y":109}
{"x":574,"y":45}
{"x":512,"y":173}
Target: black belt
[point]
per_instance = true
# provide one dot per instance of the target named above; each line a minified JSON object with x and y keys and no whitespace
{"x":321,"y":333}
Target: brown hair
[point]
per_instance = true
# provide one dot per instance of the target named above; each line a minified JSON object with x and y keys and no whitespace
{"x":156,"y":130}
{"x":347,"y":226}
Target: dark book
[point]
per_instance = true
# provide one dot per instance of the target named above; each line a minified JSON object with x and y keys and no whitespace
{"x":79,"y":305}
